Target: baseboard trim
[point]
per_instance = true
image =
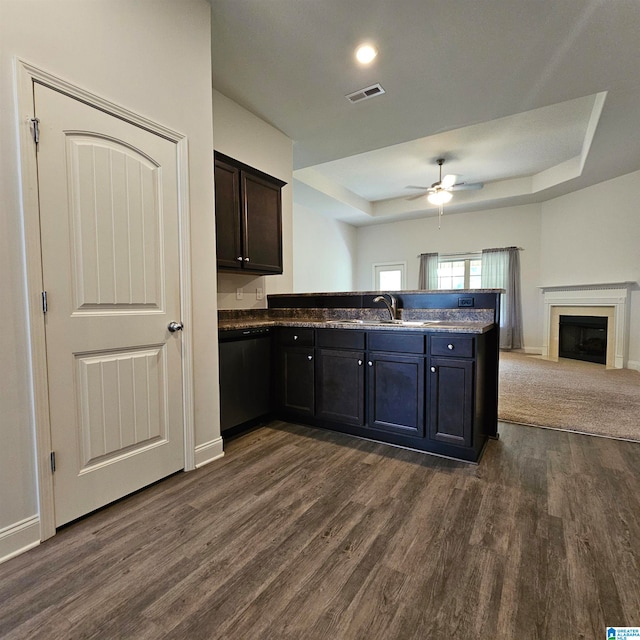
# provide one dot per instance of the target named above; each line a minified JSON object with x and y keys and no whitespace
{"x":634,"y":364}
{"x":533,"y":350}
{"x":19,"y":537}
{"x":208,"y":452}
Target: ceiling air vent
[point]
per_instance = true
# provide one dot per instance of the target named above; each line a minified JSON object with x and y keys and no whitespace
{"x":366,"y":93}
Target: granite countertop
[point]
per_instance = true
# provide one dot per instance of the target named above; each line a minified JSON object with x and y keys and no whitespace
{"x":439,"y":326}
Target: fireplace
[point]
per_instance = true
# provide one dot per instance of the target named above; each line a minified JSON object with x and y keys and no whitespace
{"x":609,"y":301}
{"x":583,"y":338}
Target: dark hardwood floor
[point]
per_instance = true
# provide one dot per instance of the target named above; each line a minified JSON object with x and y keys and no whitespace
{"x":300,"y":533}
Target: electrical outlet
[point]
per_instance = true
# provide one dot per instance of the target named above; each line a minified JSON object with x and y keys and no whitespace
{"x":259,"y":293}
{"x":239,"y":293}
{"x":465,"y":302}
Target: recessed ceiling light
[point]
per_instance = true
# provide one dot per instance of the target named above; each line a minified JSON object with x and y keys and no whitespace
{"x":365,"y":53}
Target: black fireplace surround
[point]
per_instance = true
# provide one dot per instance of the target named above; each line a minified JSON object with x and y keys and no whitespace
{"x":583,"y":338}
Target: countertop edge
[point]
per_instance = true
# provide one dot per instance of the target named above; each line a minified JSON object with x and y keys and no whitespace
{"x":449,"y":327}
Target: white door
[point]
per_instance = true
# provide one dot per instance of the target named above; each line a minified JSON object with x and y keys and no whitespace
{"x":110,"y":255}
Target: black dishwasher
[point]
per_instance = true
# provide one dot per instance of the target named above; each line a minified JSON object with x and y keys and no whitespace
{"x":245,"y":377}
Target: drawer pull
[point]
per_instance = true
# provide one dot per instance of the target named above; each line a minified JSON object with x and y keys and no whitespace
{"x":433,"y":369}
{"x":239,"y":258}
{"x":450,"y":347}
{"x":370,"y":363}
{"x":359,"y":363}
{"x":295,"y":337}
{"x":309,"y":357}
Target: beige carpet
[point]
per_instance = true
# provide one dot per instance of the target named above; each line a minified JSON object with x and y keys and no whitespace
{"x":569,"y":394}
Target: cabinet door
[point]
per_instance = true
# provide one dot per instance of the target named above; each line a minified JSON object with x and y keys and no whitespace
{"x":228,"y":231}
{"x":296,"y":381}
{"x":262,"y":224}
{"x":450,"y":392}
{"x":340,"y":386}
{"x":396,"y":393}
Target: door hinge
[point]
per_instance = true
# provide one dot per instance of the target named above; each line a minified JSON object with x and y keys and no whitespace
{"x":52,"y":459}
{"x":45,"y":306}
{"x":35,"y":122}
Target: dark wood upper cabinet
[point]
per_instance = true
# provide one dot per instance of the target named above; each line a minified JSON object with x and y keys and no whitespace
{"x":248,"y":218}
{"x":228,"y":227}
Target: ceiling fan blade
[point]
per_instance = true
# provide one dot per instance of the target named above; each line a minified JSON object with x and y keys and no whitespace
{"x":420,"y":195}
{"x":466,"y":186}
{"x":448,"y":181}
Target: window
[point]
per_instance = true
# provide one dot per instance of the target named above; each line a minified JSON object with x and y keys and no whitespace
{"x":464,"y":272}
{"x":389,"y":276}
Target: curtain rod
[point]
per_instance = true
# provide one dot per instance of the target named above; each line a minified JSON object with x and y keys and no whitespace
{"x":466,"y":253}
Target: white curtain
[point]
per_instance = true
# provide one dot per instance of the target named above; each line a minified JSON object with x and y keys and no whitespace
{"x":501,"y":270}
{"x":428,"y":275}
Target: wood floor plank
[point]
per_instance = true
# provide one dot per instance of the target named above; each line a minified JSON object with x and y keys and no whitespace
{"x":303,"y":533}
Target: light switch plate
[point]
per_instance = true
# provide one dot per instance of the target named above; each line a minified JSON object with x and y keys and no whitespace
{"x":259,"y":293}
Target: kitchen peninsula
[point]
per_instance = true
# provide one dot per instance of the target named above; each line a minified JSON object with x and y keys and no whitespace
{"x":411,"y":368}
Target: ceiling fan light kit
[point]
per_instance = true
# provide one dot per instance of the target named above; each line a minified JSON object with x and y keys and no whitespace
{"x":440,"y":197}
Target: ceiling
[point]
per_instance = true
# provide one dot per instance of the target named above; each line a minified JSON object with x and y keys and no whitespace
{"x":533,"y":98}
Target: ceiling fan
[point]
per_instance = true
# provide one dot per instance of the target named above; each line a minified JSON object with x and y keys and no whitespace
{"x":439,"y":192}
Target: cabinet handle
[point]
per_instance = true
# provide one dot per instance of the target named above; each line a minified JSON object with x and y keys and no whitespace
{"x":309,"y":357}
{"x":246,"y":259}
{"x":295,"y":337}
{"x":370,"y":363}
{"x":239,"y":258}
{"x":359,"y":363}
{"x":450,"y":347}
{"x":433,"y":369}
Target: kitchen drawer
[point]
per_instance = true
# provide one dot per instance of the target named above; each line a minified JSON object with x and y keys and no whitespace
{"x":452,"y":345}
{"x":296,"y":337}
{"x":340,"y":338}
{"x":396,"y":342}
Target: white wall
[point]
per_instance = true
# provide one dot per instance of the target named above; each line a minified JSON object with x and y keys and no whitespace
{"x":464,"y":232}
{"x":151,"y":57}
{"x":324,"y":252}
{"x":245,"y":137}
{"x":593,"y":236}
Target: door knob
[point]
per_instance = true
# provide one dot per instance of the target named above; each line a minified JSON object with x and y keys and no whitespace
{"x":175,"y":326}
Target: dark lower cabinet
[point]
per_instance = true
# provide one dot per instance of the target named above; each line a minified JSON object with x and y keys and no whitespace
{"x":340,"y":386}
{"x":419,"y":390}
{"x":395,"y":392}
{"x":296,"y":381}
{"x":450,"y":388}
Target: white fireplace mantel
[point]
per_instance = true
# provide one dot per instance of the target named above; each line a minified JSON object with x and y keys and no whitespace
{"x":610,"y":298}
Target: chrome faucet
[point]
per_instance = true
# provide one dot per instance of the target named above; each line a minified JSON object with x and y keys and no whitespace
{"x":392,"y":306}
